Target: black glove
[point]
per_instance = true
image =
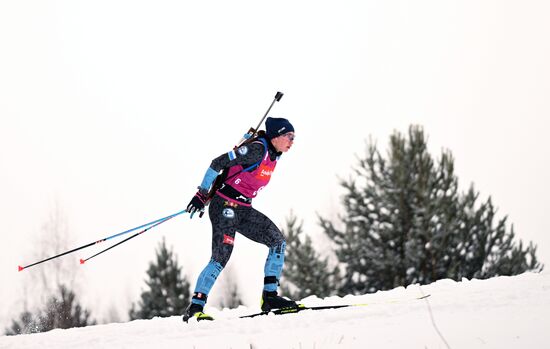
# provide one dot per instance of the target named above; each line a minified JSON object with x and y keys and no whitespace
{"x":197,"y":203}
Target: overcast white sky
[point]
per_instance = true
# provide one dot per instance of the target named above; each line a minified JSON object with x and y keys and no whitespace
{"x":114,"y":109}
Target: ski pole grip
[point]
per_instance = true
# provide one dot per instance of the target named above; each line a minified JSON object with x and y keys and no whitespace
{"x":278,"y":96}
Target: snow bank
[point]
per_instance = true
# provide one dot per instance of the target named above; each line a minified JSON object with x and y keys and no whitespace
{"x":503,"y":312}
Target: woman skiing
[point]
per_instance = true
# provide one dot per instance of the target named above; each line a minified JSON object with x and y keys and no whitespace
{"x":248,"y":170}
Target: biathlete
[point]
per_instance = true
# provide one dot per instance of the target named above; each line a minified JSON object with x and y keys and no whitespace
{"x":248,"y":170}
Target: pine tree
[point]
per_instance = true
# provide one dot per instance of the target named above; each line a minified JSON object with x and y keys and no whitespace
{"x":27,"y":323}
{"x":487,"y":248}
{"x":167,"y":291}
{"x":65,"y":312}
{"x":305,"y":272}
{"x":61,"y":311}
{"x":406,"y":222}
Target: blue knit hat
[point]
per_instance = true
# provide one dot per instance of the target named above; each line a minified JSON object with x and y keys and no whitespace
{"x":275,"y":127}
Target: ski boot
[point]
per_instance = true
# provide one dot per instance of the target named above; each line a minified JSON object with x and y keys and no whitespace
{"x":271,"y":301}
{"x":195,"y":310}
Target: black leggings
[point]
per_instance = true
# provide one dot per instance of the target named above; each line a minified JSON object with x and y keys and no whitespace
{"x":228,"y":218}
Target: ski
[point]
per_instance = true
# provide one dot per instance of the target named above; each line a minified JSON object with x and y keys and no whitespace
{"x":285,"y":311}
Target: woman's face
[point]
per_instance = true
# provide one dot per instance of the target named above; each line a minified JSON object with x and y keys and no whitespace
{"x":283,"y":142}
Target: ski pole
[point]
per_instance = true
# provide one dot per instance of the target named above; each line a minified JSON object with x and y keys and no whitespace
{"x":102,"y":240}
{"x":82,"y":261}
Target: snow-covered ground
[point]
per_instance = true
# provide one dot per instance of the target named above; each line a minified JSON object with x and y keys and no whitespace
{"x":503,"y":312}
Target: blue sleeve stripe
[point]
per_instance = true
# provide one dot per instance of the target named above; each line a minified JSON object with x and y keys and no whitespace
{"x":209,"y":178}
{"x":232,"y":155}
